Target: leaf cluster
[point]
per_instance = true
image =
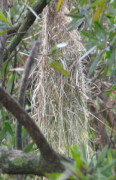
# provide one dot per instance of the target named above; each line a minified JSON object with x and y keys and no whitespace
{"x":101,"y":166}
{"x":96,"y":22}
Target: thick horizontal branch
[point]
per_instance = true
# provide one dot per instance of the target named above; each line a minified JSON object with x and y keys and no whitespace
{"x":17,"y":162}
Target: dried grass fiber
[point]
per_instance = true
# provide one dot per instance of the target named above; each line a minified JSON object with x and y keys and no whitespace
{"x":60,"y":103}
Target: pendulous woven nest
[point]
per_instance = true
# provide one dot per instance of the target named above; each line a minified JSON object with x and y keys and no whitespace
{"x":60,"y":103}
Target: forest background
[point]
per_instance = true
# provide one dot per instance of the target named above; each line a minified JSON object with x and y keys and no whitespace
{"x":58,"y":61}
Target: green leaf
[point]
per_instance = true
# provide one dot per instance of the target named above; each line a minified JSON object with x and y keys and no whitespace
{"x":107,"y":168}
{"x":113,"y":88}
{"x":31,"y":2}
{"x":94,"y":64}
{"x":75,"y":24}
{"x":9,"y":128}
{"x":110,"y":158}
{"x":113,"y":75}
{"x":82,"y":2}
{"x":10,"y":80}
{"x":54,"y":50}
{"x":76,"y":156}
{"x":102,"y":155}
{"x":87,"y":34}
{"x":48,"y":1}
{"x":112,"y":59}
{"x":53,"y":176}
{"x":76,"y":16}
{"x":83,"y":153}
{"x":106,"y":70}
{"x":57,"y":65}
{"x":99,"y":10}
{"x":3,"y":32}
{"x":3,"y":133}
{"x":3,"y":26}
{"x":29,"y":147}
{"x":100,"y":32}
{"x":4,"y":67}
{"x":3,"y":18}
{"x":1,"y":178}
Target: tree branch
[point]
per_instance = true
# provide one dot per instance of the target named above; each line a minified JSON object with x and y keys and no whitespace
{"x":14,"y":107}
{"x":49,"y":158}
{"x":22,"y":90}
{"x":47,"y":153}
{"x":37,"y":7}
{"x":17,"y":162}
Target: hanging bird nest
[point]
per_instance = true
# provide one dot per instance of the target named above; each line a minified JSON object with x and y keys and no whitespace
{"x":60,"y":102}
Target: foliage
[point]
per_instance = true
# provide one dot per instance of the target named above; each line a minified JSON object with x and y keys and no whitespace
{"x":59,"y":5}
{"x":101,"y":166}
{"x":96,"y":21}
{"x":54,"y":60}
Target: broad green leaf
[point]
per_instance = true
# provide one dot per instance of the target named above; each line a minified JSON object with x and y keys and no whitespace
{"x":76,"y":156}
{"x":75,"y":24}
{"x":53,"y":176}
{"x":9,"y":128}
{"x":3,"y":18}
{"x":100,"y":32}
{"x":56,"y":65}
{"x":29,"y":147}
{"x":88,"y":34}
